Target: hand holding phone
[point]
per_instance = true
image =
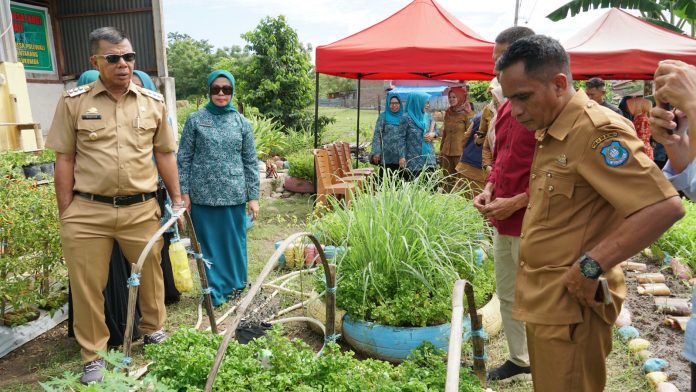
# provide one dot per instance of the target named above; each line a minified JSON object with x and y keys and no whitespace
{"x":668,"y":107}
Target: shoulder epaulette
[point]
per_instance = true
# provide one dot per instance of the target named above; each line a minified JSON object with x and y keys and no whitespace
{"x":596,"y":114}
{"x":152,"y":94}
{"x":74,"y":92}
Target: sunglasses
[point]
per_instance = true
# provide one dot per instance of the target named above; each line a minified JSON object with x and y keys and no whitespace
{"x":215,"y":90}
{"x":115,"y":58}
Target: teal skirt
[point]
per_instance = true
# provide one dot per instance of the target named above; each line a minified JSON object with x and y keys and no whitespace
{"x":221,"y":232}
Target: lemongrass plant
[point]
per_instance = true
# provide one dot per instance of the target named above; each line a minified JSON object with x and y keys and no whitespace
{"x":407,"y":245}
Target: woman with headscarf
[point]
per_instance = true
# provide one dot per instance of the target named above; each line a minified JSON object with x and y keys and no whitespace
{"x":486,"y":133}
{"x":457,"y":119}
{"x":388,"y":141}
{"x":219,"y":178}
{"x":418,"y":132}
{"x":143,"y":80}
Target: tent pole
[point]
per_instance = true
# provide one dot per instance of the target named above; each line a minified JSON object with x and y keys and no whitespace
{"x":357,"y":132}
{"x":316,"y":111}
{"x":316,"y":123}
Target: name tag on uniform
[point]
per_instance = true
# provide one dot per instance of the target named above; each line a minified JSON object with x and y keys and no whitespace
{"x":91,"y":114}
{"x":207,"y":125}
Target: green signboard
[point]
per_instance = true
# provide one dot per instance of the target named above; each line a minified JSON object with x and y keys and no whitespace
{"x":31,"y":30}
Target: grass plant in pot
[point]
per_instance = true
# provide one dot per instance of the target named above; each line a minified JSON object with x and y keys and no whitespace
{"x":300,"y":173}
{"x":406,"y":247}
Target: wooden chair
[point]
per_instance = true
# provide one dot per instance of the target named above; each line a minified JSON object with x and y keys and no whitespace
{"x":343,"y":152}
{"x":326,"y":181}
{"x":337,"y":170}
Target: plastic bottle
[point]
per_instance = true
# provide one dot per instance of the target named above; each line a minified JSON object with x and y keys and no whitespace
{"x":180,"y":267}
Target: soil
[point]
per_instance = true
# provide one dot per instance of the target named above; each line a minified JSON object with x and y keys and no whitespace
{"x":22,"y":365}
{"x":665,"y":342}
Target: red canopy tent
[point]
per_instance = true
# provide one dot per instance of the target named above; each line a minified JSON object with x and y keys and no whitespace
{"x":620,"y":46}
{"x":421,"y":41}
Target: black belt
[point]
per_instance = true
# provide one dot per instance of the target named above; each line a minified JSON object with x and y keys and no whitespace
{"x":118,"y":201}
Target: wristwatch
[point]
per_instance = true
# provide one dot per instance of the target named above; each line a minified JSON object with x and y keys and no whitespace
{"x":589,"y":267}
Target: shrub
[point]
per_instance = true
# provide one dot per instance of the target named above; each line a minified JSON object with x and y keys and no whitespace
{"x":301,"y":165}
{"x":275,"y":363}
{"x":298,"y":141}
{"x":115,"y":379}
{"x":268,"y":136}
{"x":407,"y":246}
{"x":30,"y":264}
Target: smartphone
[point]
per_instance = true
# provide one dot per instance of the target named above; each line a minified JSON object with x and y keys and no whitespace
{"x":667,"y":106}
{"x":603,"y":295}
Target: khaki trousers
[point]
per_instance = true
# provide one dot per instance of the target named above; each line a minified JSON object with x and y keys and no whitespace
{"x":88,"y":229}
{"x":506,"y":254}
{"x":449,"y":165}
{"x":471,"y":179}
{"x":570,"y":358}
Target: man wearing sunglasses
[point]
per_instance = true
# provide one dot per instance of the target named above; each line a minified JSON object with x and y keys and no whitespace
{"x":104,"y":135}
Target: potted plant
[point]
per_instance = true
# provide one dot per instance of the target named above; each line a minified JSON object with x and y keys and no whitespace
{"x":301,"y":173}
{"x":406,"y":247}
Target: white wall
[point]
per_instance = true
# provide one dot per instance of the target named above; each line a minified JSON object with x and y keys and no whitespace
{"x":43,"y":98}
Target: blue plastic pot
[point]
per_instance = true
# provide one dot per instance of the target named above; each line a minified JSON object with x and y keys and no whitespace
{"x":281,"y":259}
{"x":394,"y":344}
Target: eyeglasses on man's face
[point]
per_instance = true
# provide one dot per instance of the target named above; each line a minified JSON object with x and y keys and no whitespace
{"x":115,"y":58}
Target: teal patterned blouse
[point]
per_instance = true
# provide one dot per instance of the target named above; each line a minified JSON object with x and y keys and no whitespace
{"x":413,"y":142}
{"x":388,"y":142}
{"x":217,"y":159}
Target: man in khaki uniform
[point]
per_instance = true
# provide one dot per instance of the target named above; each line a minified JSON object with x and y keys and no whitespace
{"x":595,"y":199}
{"x":104,"y":135}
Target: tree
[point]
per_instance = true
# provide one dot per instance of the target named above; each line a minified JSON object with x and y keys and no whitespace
{"x":189,"y":62}
{"x":671,"y":14}
{"x":278,"y":77}
{"x":331,"y":84}
{"x":231,"y":59}
{"x":478,"y":91}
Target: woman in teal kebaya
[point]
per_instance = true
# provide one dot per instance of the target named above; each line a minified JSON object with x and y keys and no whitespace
{"x":388,"y":141}
{"x":219,"y":177}
{"x":418,"y":137}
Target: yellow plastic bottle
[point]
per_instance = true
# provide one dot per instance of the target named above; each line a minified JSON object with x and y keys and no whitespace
{"x":180,"y":267}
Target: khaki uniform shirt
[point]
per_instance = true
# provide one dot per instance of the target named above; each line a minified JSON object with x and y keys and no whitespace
{"x":589,"y":174}
{"x":113,"y":141}
{"x":453,"y":133}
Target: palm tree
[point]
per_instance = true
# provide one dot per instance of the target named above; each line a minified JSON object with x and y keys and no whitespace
{"x":671,"y":14}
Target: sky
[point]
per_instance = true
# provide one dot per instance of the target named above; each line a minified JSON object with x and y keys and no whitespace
{"x":321,"y":22}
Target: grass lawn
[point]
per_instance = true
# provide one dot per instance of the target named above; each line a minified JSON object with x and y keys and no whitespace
{"x":346,"y":119}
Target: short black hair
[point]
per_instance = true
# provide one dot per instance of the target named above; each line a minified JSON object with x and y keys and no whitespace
{"x":542,"y":56}
{"x":109,"y":34}
{"x":512,"y":34}
{"x":595,"y":83}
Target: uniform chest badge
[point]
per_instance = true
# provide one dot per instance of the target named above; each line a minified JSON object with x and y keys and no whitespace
{"x":614,"y":154}
{"x":562,"y":160}
{"x":92,"y":114}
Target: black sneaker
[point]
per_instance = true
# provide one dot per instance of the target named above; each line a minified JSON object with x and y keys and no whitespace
{"x":156,"y":337}
{"x":510,"y":372}
{"x":92,"y":372}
